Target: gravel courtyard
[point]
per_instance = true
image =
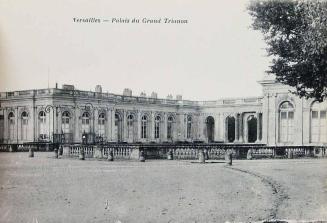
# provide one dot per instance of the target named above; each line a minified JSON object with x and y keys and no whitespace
{"x":44,"y":189}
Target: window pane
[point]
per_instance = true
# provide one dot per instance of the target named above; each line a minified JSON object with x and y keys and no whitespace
{"x":322,"y":114}
{"x":283,"y":115}
{"x":291,"y":115}
{"x":314,"y":114}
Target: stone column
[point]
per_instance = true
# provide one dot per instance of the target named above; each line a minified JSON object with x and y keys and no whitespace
{"x":221,"y":127}
{"x":180,"y":126}
{"x":113,"y":136}
{"x":108,"y":125}
{"x":225,"y":123}
{"x":216,"y":129}
{"x":34,"y":124}
{"x":77,"y":137}
{"x":185,"y":121}
{"x":306,"y":123}
{"x":95,"y":121}
{"x":200,"y":126}
{"x":241,"y":126}
{"x":265,"y":119}
{"x":164,"y":127}
{"x":175,"y":129}
{"x":138,"y":125}
{"x":17,"y":124}
{"x":236,"y":127}
{"x":5,"y":125}
{"x":274,"y":130}
{"x":51,"y":123}
{"x":258,"y":127}
{"x":124,"y":133}
{"x":152,"y":127}
{"x":58,"y":120}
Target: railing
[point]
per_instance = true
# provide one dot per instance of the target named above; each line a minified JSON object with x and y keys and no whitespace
{"x":74,"y":151}
{"x":128,"y":99}
{"x":191,"y":151}
{"x":179,"y":151}
{"x":118,"y":151}
{"x":24,"y":147}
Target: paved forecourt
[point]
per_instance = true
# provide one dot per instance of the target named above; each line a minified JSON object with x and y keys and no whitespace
{"x":44,"y":189}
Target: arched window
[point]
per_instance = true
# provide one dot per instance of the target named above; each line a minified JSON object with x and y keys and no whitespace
{"x":189,"y":127}
{"x":319,"y":122}
{"x":85,"y":122}
{"x":42,"y":125}
{"x":11,"y":120}
{"x":286,"y":122}
{"x":144,"y":125}
{"x":130,"y":126}
{"x":157,"y":127}
{"x":101,"y":123}
{"x":65,"y":122}
{"x":24,"y":120}
{"x":170,"y":127}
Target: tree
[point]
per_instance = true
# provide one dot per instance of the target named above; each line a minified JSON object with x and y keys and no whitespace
{"x":296,"y":35}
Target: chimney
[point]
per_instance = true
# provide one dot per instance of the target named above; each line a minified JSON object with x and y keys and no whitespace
{"x":127,"y":92}
{"x":98,"y":89}
{"x":154,"y":95}
{"x":170,"y":97}
{"x":143,"y":94}
{"x":68,"y":87}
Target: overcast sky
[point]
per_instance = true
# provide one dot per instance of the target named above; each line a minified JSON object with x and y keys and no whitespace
{"x":216,"y":54}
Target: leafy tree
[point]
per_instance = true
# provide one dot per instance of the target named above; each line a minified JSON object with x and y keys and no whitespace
{"x":296,"y":35}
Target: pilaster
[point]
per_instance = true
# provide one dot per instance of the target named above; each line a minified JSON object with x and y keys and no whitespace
{"x":5,"y":125}
{"x":152,"y":121}
{"x":77,"y":137}
{"x":138,"y":125}
{"x":108,"y":124}
{"x":164,"y":127}
{"x":241,"y":128}
{"x":236,"y":115}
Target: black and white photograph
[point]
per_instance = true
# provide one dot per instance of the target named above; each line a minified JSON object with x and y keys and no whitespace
{"x":169,"y":111}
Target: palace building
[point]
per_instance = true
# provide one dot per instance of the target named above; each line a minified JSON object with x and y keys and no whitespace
{"x":276,"y":118}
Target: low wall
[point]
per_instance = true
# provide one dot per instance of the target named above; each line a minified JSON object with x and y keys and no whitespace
{"x":188,"y":151}
{"x":191,"y":151}
{"x":24,"y":147}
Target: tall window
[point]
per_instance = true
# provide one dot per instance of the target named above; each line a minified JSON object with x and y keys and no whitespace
{"x":85,"y":122}
{"x":286,"y":122}
{"x":42,"y":125}
{"x":157,"y":127}
{"x":130,"y":120}
{"x":144,"y":124}
{"x":189,"y":127}
{"x":11,"y":120}
{"x":24,"y":125}
{"x":170,"y":127}
{"x":101,"y":122}
{"x":319,"y":122}
{"x":65,"y":122}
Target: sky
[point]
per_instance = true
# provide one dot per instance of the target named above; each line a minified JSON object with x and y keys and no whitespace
{"x":214,"y":55}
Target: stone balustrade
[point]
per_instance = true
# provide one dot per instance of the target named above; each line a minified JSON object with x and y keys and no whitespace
{"x":190,"y":151}
{"x":123,"y":98}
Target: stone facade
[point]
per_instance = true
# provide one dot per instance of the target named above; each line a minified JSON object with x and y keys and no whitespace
{"x":276,"y":118}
